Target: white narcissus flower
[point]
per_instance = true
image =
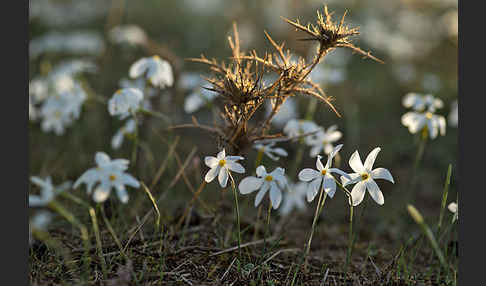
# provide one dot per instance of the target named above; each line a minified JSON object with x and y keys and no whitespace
{"x":221,"y":165}
{"x":39,"y":220}
{"x":198,"y":99}
{"x":364,"y":177}
{"x":158,"y":71}
{"x":298,"y":127}
{"x":47,"y":191}
{"x":419,"y":102}
{"x":275,"y":181}
{"x":107,"y":175}
{"x":125,"y":102}
{"x":454,"y":208}
{"x":128,"y":128}
{"x":287,"y":111}
{"x":321,"y":176}
{"x":272,"y":153}
{"x":454,"y":114}
{"x":323,"y":140}
{"x":128,"y":34}
{"x":429,"y":123}
{"x":294,"y":198}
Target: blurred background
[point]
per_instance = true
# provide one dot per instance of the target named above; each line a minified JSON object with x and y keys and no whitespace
{"x":417,"y":40}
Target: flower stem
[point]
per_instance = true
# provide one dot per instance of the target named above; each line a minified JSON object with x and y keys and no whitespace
{"x":267,"y":228}
{"x":316,"y":215}
{"x":233,"y":186}
{"x":96,"y":229}
{"x":350,"y":235}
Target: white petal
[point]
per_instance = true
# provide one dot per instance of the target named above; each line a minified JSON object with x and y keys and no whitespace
{"x":358,"y":192}
{"x":250,"y":184}
{"x":221,"y":155}
{"x":351,"y":178}
{"x":102,"y":159}
{"x":307,"y":175}
{"x":315,"y":150}
{"x":223,"y":177}
{"x":319,"y":165}
{"x":211,"y":174}
{"x":280,"y":152}
{"x":235,"y":167}
{"x":261,"y":171}
{"x":275,"y":195}
{"x":382,"y":173}
{"x":452,"y":207}
{"x":355,"y":163}
{"x":128,"y":180}
{"x":370,"y":159}
{"x":313,"y":189}
{"x":35,"y":201}
{"x":122,"y":193}
{"x":138,"y":68}
{"x":375,"y":191}
{"x":329,"y":185}
{"x":101,"y":194}
{"x":234,"y":158}
{"x":261,"y":193}
{"x":211,"y":161}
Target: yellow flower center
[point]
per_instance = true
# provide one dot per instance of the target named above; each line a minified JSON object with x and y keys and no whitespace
{"x":118,"y":91}
{"x":323,"y":172}
{"x":428,"y":115}
{"x":222,"y":162}
{"x":364,"y":176}
{"x":156,"y":57}
{"x":112,"y":177}
{"x":57,"y":114}
{"x":268,"y":178}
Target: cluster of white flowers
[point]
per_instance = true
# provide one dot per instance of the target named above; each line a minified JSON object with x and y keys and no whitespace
{"x":423,"y":118}
{"x":128,"y":34}
{"x":106,"y":175}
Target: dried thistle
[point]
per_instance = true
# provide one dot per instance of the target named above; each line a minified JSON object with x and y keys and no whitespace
{"x":330,"y":35}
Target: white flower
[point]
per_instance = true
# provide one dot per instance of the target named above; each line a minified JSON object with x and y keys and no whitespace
{"x":47,"y":191}
{"x":454,"y":114}
{"x":454,"y":208}
{"x":129,"y":34}
{"x":321,"y":176}
{"x":323,"y":140}
{"x":427,"y":122}
{"x":38,"y":89}
{"x":198,"y":99}
{"x":140,"y":84}
{"x":272,"y":153}
{"x":294,"y":198}
{"x":326,"y":74}
{"x":128,"y":128}
{"x":364,"y":177}
{"x":287,"y":111}
{"x":275,"y":181}
{"x":39,"y":220}
{"x":33,"y":112}
{"x":159,"y":71}
{"x":221,"y":165}
{"x":419,"y":102}
{"x":298,"y":127}
{"x":125,"y":102}
{"x":109,"y":174}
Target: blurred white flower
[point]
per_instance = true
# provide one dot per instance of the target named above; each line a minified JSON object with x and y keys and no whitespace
{"x":322,"y":140}
{"x":323,"y":175}
{"x":454,"y":114}
{"x":33,"y":112}
{"x":427,"y":122}
{"x":454,"y":208}
{"x":198,"y":99}
{"x":39,"y":220}
{"x":275,"y":181}
{"x":190,"y":80}
{"x":47,"y":191}
{"x":365,"y":176}
{"x":74,"y":42}
{"x":272,"y":153}
{"x":140,"y":84}
{"x":221,"y":165}
{"x":128,"y":128}
{"x":421,"y":102}
{"x":107,"y":175}
{"x":298,"y":127}
{"x":128,"y":34}
{"x":125,"y":102}
{"x":157,"y":70}
{"x":328,"y":75}
{"x":294,"y":197}
{"x":38,"y":89}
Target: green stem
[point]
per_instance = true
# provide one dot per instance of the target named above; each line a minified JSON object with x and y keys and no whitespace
{"x":155,"y":114}
{"x":351,"y":213}
{"x":319,"y":202}
{"x":444,"y":197}
{"x":111,"y":230}
{"x":267,"y":228}
{"x":99,"y":246}
{"x":233,"y":186}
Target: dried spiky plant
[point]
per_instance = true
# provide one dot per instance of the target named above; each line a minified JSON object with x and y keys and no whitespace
{"x":240,"y":84}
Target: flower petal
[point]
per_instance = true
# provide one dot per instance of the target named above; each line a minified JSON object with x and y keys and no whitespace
{"x":382,"y":173}
{"x":313,"y":189}
{"x":261,"y":171}
{"x":319,"y":165}
{"x":101,"y":194}
{"x":355,"y":163}
{"x":375,"y":191}
{"x":223,"y":177}
{"x":235,"y":167}
{"x":250,"y":184}
{"x":138,"y":68}
{"x":329,"y":185}
{"x":122,"y":193}
{"x":221,"y":155}
{"x":102,"y":159}
{"x":234,"y":158}
{"x":261,"y":193}
{"x":211,"y":161}
{"x":308,"y":174}
{"x":275,"y":195}
{"x":211,"y":174}
{"x":370,"y":159}
{"x":358,"y":192}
